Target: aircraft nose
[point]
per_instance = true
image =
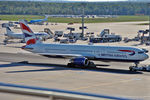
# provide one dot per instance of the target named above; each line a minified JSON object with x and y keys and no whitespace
{"x":146,"y":56}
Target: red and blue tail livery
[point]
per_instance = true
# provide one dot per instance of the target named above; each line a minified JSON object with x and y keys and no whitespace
{"x":25,"y":29}
{"x":30,"y":37}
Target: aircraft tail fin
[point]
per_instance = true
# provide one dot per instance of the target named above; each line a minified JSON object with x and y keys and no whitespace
{"x":30,"y":37}
{"x":46,"y":17}
{"x":25,"y":28}
{"x":8,"y":30}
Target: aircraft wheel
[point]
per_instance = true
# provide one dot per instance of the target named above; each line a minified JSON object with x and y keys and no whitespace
{"x":91,"y":64}
{"x":84,"y":67}
{"x":70,"y":65}
{"x":4,"y":40}
{"x":132,"y":69}
{"x":144,"y":69}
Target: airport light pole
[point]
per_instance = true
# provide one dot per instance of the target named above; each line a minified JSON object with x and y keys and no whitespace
{"x":149,"y":26}
{"x":83,"y":27}
{"x":83,"y":6}
{"x":83,"y":21}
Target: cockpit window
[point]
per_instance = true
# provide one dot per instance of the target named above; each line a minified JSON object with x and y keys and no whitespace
{"x":140,"y":52}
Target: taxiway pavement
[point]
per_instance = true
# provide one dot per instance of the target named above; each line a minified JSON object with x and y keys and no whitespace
{"x":112,"y":79}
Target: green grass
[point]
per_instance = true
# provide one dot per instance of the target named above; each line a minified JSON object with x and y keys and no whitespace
{"x":17,"y":17}
{"x":75,"y":20}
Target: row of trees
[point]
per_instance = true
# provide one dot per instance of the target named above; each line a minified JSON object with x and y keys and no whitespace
{"x":41,"y":8}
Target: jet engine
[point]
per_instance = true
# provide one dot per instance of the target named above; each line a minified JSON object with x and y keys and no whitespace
{"x":80,"y":61}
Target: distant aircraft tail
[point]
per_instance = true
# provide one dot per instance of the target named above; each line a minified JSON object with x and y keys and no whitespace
{"x":28,"y":33}
{"x":46,"y":17}
{"x":25,"y":29}
{"x":8,"y":31}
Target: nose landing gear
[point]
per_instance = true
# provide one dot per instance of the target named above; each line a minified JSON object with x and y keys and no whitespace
{"x":134,"y":68}
{"x":137,"y":68}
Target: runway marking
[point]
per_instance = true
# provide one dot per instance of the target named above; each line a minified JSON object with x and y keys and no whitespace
{"x":104,"y":84}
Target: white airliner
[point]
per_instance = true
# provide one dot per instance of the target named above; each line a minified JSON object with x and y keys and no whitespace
{"x":81,"y":54}
{"x":11,"y":35}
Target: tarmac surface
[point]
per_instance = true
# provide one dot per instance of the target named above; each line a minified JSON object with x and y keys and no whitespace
{"x":109,"y":78}
{"x":113,"y":79}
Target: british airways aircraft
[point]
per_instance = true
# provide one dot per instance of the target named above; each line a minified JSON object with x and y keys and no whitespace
{"x":82,"y":54}
{"x":38,"y":21}
{"x":12,"y":35}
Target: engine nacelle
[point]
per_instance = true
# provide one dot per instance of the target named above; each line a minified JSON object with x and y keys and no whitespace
{"x":80,"y":61}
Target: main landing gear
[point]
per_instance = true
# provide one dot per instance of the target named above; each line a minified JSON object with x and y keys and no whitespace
{"x":90,"y":64}
{"x":5,"y":41}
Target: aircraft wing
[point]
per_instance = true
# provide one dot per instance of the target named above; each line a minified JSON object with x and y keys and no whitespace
{"x":66,"y":55}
